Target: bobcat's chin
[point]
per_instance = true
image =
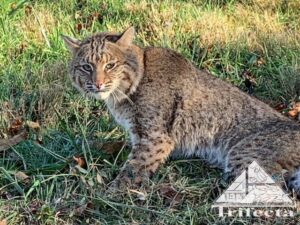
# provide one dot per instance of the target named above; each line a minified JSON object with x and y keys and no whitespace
{"x":100,"y":95}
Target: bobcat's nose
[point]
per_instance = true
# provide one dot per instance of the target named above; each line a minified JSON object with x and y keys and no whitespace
{"x":99,"y":84}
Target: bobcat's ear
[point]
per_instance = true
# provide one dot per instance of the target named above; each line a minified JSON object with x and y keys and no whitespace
{"x":127,"y":37}
{"x":71,"y":43}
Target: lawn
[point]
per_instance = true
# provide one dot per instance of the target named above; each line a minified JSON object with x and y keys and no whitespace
{"x":71,"y":148}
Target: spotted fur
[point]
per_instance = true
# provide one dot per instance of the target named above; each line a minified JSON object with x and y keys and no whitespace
{"x":171,"y":108}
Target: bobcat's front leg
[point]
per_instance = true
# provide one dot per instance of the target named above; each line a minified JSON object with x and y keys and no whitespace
{"x":147,"y":154}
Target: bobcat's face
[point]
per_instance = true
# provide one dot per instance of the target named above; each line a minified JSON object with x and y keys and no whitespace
{"x":103,"y":64}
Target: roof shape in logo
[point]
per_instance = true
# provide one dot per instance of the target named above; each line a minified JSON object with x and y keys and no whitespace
{"x":254,"y":188}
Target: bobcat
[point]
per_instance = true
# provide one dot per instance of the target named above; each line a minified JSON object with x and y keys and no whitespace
{"x":171,"y":108}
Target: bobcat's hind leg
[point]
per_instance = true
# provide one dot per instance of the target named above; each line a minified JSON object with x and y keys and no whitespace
{"x":239,"y":159}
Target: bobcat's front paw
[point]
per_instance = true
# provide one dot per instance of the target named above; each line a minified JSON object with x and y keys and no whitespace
{"x":127,"y":179}
{"x":119,"y":184}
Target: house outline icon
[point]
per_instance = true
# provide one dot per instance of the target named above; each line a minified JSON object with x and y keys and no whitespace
{"x":254,"y":188}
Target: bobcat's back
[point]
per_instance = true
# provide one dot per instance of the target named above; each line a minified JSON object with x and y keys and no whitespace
{"x":208,"y":117}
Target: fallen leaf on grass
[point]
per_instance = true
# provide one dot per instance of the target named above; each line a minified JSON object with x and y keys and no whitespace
{"x":99,"y":179}
{"x":7,"y":143}
{"x":32,"y":125}
{"x":140,"y":195}
{"x":80,"y":162}
{"x":22,"y":177}
{"x":81,"y":166}
{"x":280,"y":107}
{"x":79,"y":27}
{"x":172,"y":196}
{"x":295,"y":111}
{"x":15,"y":126}
{"x":260,"y":62}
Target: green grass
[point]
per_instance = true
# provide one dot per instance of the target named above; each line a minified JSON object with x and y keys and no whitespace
{"x":226,"y":37}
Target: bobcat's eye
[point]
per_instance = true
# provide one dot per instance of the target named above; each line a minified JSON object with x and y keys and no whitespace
{"x":110,"y":66}
{"x":87,"y":68}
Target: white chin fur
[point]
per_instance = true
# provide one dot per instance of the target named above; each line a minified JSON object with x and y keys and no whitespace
{"x":100,"y":95}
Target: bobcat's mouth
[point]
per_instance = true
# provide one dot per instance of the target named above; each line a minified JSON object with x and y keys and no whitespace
{"x":94,"y":89}
{"x":99,"y":91}
{"x":100,"y":94}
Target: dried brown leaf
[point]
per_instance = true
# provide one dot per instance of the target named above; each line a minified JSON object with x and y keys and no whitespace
{"x":90,"y":205}
{"x":293,"y":113}
{"x":295,"y":110}
{"x":7,"y":143}
{"x":99,"y":179}
{"x":140,"y":195}
{"x":280,"y":107}
{"x":22,"y":177}
{"x":81,"y":162}
{"x":79,"y":27}
{"x":32,"y":125}
{"x":297,"y":106}
{"x":260,"y":62}
{"x":15,"y":126}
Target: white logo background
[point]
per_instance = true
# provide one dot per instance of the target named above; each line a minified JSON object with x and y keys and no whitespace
{"x":254,"y":188}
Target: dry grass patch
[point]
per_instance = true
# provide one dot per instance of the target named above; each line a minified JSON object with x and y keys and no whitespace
{"x":245,"y":25}
{"x":37,"y":25}
{"x":249,"y":25}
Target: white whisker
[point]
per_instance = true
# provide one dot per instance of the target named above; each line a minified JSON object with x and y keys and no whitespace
{"x":115,"y":98}
{"x":124,"y":95}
